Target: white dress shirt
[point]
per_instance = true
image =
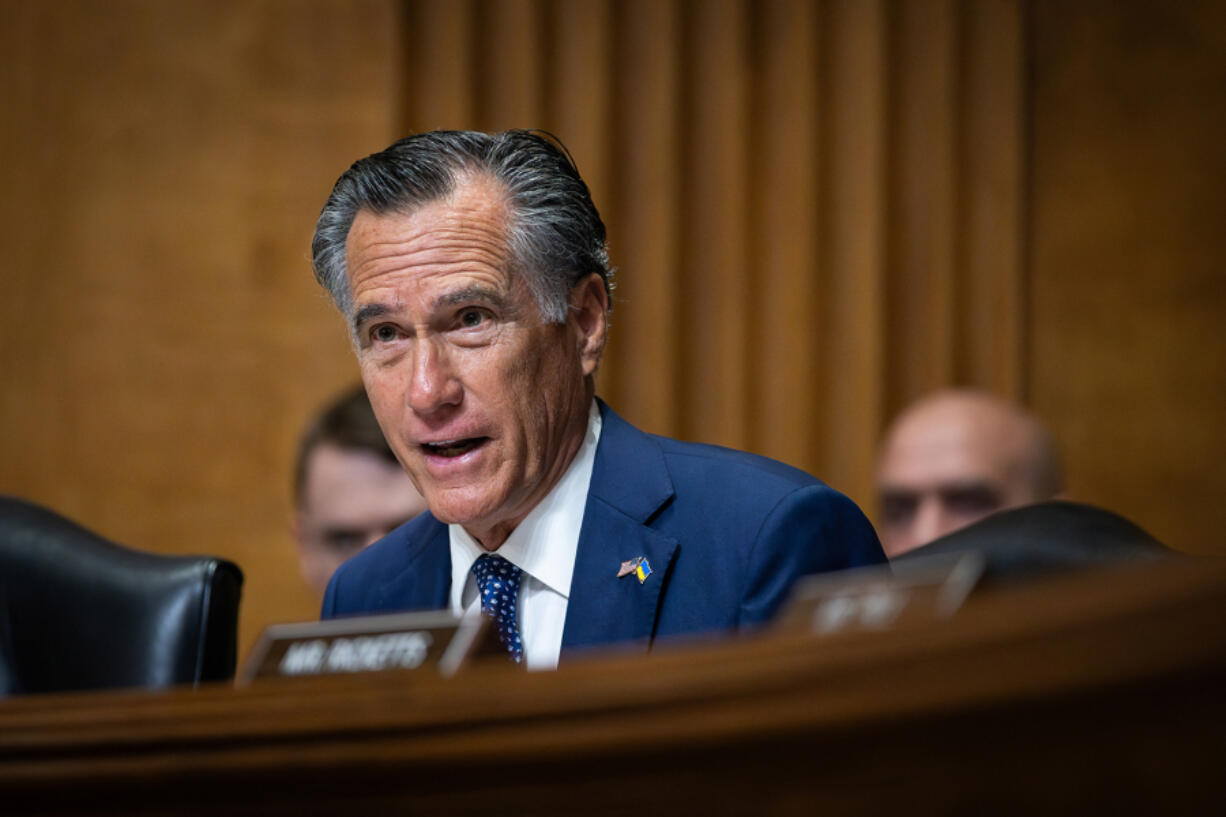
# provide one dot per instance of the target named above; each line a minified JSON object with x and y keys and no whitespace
{"x":543,"y":546}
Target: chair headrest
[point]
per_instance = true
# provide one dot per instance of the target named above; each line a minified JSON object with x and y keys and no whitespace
{"x":1048,"y":537}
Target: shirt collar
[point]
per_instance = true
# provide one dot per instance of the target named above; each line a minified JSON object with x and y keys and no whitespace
{"x":544,"y":544}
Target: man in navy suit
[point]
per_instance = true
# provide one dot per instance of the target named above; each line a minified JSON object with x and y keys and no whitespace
{"x":474,"y":274}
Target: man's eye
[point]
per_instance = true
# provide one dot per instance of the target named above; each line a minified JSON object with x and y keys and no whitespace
{"x":470,"y":318}
{"x":973,"y":500}
{"x":344,"y":541}
{"x":898,"y":509}
{"x":384,"y":333}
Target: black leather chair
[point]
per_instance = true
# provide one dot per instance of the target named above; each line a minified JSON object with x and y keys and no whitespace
{"x":79,"y":612}
{"x":1050,"y":537}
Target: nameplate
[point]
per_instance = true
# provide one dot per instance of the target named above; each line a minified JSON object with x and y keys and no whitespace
{"x":874,"y":599}
{"x":346,"y":646}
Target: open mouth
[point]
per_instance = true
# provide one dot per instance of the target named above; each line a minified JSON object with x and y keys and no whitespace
{"x":453,"y":448}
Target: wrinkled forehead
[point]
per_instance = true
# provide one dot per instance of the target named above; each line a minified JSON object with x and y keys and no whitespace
{"x":476,"y":199}
{"x":470,"y":186}
{"x":469,"y":227}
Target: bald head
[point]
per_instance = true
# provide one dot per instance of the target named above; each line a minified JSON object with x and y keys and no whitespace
{"x":954,"y":457}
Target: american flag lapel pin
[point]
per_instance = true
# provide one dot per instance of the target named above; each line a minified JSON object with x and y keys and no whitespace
{"x":639,"y":567}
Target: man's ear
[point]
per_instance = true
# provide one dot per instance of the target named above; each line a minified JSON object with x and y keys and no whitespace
{"x":589,"y":311}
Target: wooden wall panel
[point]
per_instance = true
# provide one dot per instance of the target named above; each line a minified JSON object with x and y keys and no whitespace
{"x":854,"y":238}
{"x":439,"y":66}
{"x":715,"y":271}
{"x":1128,"y":276}
{"x":991,"y":305}
{"x":783,"y":209}
{"x":921,"y":333}
{"x":955,"y":280}
{"x":642,"y":366}
{"x":578,"y":91}
{"x":508,"y":53}
{"x":161,"y":337}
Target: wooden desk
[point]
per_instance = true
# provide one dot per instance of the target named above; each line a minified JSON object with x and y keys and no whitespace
{"x":1097,"y":693}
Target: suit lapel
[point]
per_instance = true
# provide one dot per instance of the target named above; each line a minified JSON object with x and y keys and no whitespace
{"x":425,"y":581}
{"x":630,"y":483}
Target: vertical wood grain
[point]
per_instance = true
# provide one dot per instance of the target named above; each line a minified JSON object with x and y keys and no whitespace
{"x":922,"y":299}
{"x":785,"y":345}
{"x":992,"y":308}
{"x":715,"y":282}
{"x":508,"y":55}
{"x":642,"y":369}
{"x":854,"y":213}
{"x":578,"y":86}
{"x":439,"y":66}
{"x":1128,"y":252}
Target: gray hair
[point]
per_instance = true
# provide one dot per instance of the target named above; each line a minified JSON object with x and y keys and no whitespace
{"x":555,"y":234}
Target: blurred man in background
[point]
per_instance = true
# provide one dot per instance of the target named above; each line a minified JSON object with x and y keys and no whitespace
{"x":954,"y":457}
{"x":349,"y":490}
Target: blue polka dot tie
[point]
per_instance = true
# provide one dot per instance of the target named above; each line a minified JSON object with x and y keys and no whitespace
{"x":498,"y":583}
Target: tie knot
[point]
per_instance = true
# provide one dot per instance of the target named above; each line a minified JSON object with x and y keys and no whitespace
{"x":498,"y":583}
{"x":495,"y":575}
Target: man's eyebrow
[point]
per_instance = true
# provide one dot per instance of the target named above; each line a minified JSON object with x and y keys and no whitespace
{"x":893,"y":494}
{"x":972,"y":487}
{"x":968,"y":485}
{"x":367,"y":313}
{"x":467,"y":295}
{"x":470,"y":294}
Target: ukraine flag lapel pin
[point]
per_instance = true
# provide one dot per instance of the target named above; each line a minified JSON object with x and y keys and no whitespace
{"x":639,"y":566}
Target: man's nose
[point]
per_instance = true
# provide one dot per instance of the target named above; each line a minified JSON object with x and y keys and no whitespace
{"x":931,"y":521}
{"x":433,"y":384}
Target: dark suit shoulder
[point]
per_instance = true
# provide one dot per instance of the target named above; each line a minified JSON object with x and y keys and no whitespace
{"x":396,"y":550}
{"x":401,"y":571}
{"x":737,"y":469}
{"x":748,"y":527}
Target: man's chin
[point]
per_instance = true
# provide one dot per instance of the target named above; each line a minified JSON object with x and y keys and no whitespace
{"x":451,"y":511}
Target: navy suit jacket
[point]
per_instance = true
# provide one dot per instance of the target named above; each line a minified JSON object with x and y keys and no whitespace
{"x":726,"y":534}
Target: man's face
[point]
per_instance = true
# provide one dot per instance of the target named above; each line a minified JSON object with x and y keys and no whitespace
{"x":351,"y":498}
{"x":483,"y":402}
{"x":945,"y":469}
